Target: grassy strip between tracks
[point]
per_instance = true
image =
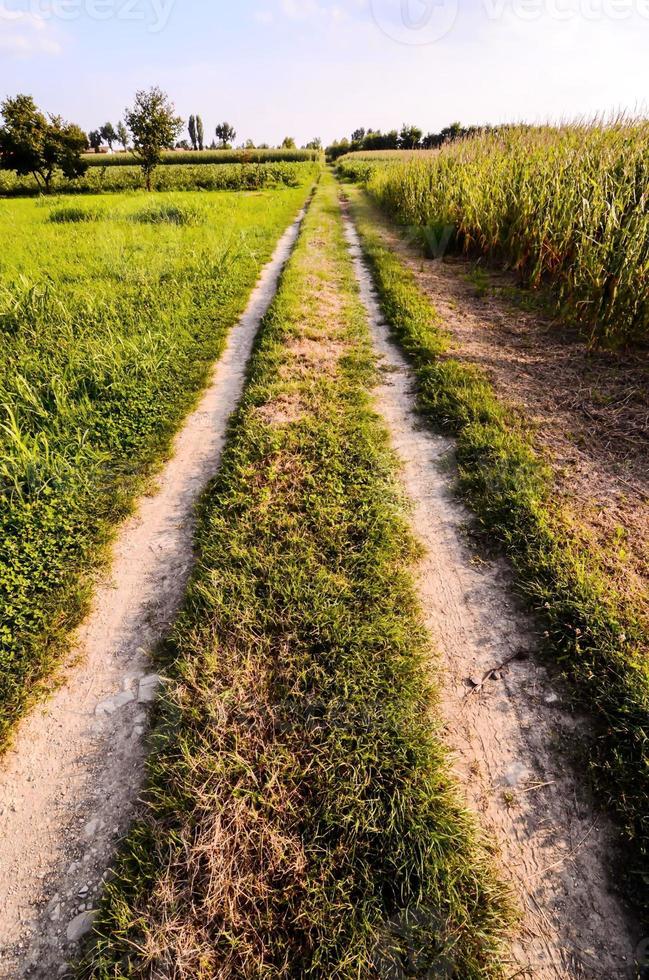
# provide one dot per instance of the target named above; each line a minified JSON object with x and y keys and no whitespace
{"x":300,"y":819}
{"x":597,"y":635}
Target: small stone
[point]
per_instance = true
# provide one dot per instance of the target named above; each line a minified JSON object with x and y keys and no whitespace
{"x":148,"y":689}
{"x":83,"y":891}
{"x":80,"y":926}
{"x":551,"y":698}
{"x":91,"y":829}
{"x":111,"y":705}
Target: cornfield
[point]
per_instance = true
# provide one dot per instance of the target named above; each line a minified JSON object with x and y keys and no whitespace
{"x":197,"y":157}
{"x":565,"y":207}
{"x":200,"y":177}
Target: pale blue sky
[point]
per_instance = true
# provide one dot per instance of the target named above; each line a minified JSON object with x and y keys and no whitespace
{"x":310,"y":68}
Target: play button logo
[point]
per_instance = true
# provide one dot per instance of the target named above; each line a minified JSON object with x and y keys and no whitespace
{"x":415,"y":22}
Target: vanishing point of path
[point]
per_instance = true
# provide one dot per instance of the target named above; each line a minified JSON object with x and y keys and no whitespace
{"x":69,"y":786}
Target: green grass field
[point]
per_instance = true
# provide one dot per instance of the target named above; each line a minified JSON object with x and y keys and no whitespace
{"x":110,"y":315}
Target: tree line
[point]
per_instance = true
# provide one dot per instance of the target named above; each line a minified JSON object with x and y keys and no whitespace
{"x":225,"y":133}
{"x":33,"y":143}
{"x":407,"y":138}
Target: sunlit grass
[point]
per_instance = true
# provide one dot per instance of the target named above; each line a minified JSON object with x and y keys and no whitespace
{"x":108,"y":331}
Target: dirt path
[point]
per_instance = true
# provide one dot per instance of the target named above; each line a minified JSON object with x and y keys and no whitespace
{"x":68,"y":788}
{"x":505,"y":737}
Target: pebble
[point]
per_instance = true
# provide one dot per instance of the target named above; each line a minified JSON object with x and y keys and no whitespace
{"x":148,"y":689}
{"x":551,"y":698}
{"x":91,"y":828}
{"x":113,"y":704}
{"x":80,"y":926}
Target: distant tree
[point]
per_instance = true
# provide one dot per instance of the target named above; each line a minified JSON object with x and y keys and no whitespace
{"x":154,"y":126}
{"x":376,"y":140}
{"x":315,"y":144}
{"x":264,"y":146}
{"x":452,"y":133}
{"x":122,"y":135}
{"x":249,"y":145}
{"x":30,"y":143}
{"x":184,"y":145}
{"x":410,"y":137}
{"x":226,"y":135}
{"x":431,"y":141}
{"x":358,"y":136}
{"x":192,"y":132}
{"x":200,"y":133}
{"x":288,"y":143}
{"x":108,"y":135}
{"x":95,"y":139}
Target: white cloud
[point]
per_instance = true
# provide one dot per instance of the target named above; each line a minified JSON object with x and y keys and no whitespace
{"x":24,"y":34}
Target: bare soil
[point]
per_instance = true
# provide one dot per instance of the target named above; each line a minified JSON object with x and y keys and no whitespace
{"x":507,"y":735}
{"x":69,"y":786}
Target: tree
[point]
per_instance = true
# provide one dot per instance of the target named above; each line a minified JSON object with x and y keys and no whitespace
{"x":122,"y":135}
{"x":95,"y":139}
{"x":200,"y":133}
{"x":410,"y":137}
{"x":32,"y":144}
{"x":315,"y":144}
{"x":108,"y":135}
{"x":225,"y":134}
{"x":192,"y":132}
{"x":288,"y":143}
{"x":154,"y":126}
{"x":358,"y":136}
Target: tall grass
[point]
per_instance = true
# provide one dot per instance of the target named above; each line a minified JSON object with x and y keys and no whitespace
{"x":108,"y":330}
{"x":564,"y":207}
